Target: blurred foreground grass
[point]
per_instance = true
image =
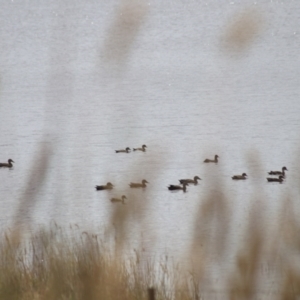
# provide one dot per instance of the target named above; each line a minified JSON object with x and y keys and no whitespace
{"x":52,"y":264}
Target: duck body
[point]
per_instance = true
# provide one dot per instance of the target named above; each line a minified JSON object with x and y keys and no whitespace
{"x":272,"y":179}
{"x":173,"y":187}
{"x":116,"y":200}
{"x":194,"y":181}
{"x":126,"y":150}
{"x":108,"y":186}
{"x":279,"y":172}
{"x":140,"y":149}
{"x":139,"y":185}
{"x":8,"y":164}
{"x":212,"y":160}
{"x":239,"y":177}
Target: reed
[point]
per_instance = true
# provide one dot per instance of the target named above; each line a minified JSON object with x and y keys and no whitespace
{"x":69,"y":264}
{"x":55,"y":265}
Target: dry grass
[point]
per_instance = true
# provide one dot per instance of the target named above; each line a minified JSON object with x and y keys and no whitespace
{"x":242,"y":30}
{"x":56,"y":265}
{"x":69,"y":264}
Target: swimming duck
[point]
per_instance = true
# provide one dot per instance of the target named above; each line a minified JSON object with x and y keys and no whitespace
{"x":172,"y":187}
{"x":212,"y":160}
{"x":7,"y":165}
{"x":126,"y":150}
{"x":108,"y":186}
{"x":118,"y":199}
{"x":139,"y":185}
{"x":278,"y":172}
{"x":279,"y":179}
{"x":194,"y":181}
{"x":140,"y":149}
{"x":239,"y":177}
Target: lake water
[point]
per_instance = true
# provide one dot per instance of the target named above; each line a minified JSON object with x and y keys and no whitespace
{"x":190,"y":79}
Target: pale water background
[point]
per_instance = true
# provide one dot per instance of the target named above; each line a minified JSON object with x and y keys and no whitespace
{"x":81,"y":82}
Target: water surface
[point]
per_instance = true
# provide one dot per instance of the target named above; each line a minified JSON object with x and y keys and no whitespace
{"x":78,"y":84}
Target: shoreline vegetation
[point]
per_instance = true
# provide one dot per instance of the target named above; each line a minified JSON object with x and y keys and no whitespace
{"x":57,"y":263}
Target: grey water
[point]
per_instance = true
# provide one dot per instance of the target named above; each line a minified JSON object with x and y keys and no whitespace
{"x":190,"y":79}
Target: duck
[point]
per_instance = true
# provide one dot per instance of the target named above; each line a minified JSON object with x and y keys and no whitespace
{"x":240,"y":177}
{"x":108,"y":186}
{"x":139,"y":185}
{"x":194,"y":181}
{"x":279,"y":179}
{"x":122,"y":200}
{"x":126,"y":150}
{"x":212,"y":160}
{"x":7,"y":165}
{"x":278,"y":172}
{"x":140,"y":149}
{"x":172,"y":187}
